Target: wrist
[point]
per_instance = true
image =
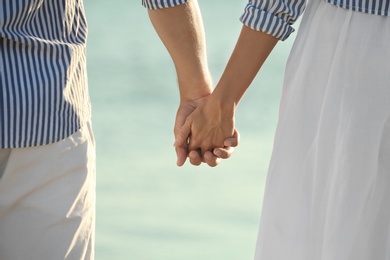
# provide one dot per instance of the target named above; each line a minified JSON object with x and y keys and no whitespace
{"x":223,"y":102}
{"x":193,"y":88}
{"x":227,"y":96}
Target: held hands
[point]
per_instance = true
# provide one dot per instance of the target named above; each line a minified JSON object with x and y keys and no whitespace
{"x":204,"y":131}
{"x":201,"y":124}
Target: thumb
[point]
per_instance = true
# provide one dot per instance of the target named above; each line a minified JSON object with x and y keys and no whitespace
{"x":182,"y":136}
{"x":181,"y":153}
{"x":234,"y":140}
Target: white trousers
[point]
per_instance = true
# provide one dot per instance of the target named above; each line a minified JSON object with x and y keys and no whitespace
{"x":47,"y":200}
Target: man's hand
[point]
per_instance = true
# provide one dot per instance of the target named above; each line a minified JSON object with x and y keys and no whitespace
{"x":211,"y":158}
{"x":181,"y":30}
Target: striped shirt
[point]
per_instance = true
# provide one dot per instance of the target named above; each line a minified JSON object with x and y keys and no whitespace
{"x":276,"y":17}
{"x":43,"y":83}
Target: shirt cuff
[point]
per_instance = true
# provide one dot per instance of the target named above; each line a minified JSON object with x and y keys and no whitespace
{"x":159,"y":4}
{"x":274,"y":17}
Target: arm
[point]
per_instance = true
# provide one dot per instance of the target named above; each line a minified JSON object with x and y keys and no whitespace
{"x":252,"y":49}
{"x":266,"y":22}
{"x":181,"y":30}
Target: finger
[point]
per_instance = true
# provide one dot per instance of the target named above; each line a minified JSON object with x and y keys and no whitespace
{"x":223,"y":153}
{"x":210,"y":159}
{"x":195,"y":158}
{"x":182,"y":136}
{"x":181,"y":154}
{"x":233,"y":141}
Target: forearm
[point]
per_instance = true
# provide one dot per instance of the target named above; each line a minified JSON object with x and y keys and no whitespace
{"x":181,"y":30}
{"x":251,"y":51}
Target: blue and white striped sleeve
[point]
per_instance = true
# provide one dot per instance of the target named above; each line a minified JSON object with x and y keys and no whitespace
{"x":158,"y":4}
{"x":274,"y":17}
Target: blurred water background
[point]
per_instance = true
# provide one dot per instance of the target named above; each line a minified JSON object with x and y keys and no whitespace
{"x":148,"y":208}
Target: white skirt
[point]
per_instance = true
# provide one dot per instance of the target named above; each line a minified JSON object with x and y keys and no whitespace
{"x":327,"y":195}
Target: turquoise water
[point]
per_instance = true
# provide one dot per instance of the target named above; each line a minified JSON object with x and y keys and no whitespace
{"x":147,"y":207}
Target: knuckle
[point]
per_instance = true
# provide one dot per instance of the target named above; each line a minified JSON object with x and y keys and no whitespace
{"x":223,"y":154}
{"x":195,"y":162}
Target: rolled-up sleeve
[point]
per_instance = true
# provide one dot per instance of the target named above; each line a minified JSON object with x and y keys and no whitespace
{"x":273,"y":17}
{"x":158,"y":4}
